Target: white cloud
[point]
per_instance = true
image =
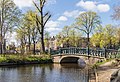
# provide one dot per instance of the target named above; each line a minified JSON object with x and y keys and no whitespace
{"x":62,"y":18}
{"x":29,"y":3}
{"x":51,"y":2}
{"x":73,"y":13}
{"x":93,"y":6}
{"x":88,"y":5}
{"x":103,"y":7}
{"x":52,"y":26}
{"x":53,"y":29}
{"x":23,"y":3}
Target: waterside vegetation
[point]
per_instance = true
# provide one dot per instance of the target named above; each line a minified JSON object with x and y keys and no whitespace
{"x":24,"y":59}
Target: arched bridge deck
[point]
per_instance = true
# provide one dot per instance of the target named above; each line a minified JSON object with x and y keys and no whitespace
{"x":80,"y":53}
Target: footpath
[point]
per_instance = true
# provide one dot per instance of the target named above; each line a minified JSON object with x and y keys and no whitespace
{"x":104,"y":71}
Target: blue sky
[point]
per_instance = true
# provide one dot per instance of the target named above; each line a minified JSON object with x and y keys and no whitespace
{"x":64,"y":12}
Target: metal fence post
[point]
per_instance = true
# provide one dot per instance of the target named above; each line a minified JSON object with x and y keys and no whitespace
{"x":105,"y":52}
{"x":60,"y":51}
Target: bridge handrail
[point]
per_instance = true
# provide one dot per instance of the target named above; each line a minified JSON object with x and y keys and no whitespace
{"x":107,"y":53}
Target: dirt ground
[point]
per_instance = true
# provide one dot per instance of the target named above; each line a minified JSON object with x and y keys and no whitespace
{"x":104,"y":75}
{"x":104,"y":72}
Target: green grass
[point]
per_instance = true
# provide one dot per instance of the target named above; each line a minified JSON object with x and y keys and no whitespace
{"x":96,"y":65}
{"x":25,"y":58}
{"x":3,"y":59}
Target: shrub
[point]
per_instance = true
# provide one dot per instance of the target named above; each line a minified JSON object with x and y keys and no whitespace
{"x":2,"y":59}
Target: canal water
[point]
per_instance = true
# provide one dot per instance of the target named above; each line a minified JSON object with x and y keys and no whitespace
{"x":43,"y":73}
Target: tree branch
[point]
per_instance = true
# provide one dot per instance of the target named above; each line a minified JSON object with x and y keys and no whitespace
{"x":47,"y":20}
{"x":38,"y":20}
{"x":81,"y":29}
{"x":36,"y":6}
{"x":43,"y":2}
{"x":38,"y":27}
{"x":45,"y":14}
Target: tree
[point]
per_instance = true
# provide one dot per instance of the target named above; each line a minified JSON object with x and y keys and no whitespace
{"x":118,"y":35}
{"x":41,"y":21}
{"x":87,"y":22}
{"x":75,"y":39}
{"x":32,"y":31}
{"x":9,"y":17}
{"x":116,"y":14}
{"x":47,"y":38}
{"x":69,"y":36}
{"x":21,"y":37}
{"x":29,"y":22}
{"x":29,"y":28}
{"x":109,"y":32}
{"x":65,"y":35}
{"x":97,"y":40}
{"x":105,"y":37}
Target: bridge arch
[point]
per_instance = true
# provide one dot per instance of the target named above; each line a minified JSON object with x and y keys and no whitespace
{"x":72,"y":59}
{"x":76,"y":59}
{"x":69,"y":59}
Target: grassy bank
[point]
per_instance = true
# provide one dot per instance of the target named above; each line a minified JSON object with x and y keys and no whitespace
{"x":100,"y":63}
{"x":24,"y":59}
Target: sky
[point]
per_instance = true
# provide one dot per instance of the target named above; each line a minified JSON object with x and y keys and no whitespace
{"x":64,"y":12}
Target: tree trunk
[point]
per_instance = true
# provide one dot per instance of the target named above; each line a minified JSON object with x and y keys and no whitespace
{"x":88,"y":44}
{"x":1,"y":24}
{"x":118,"y":44}
{"x":68,"y":43}
{"x":29,"y":43}
{"x":1,"y":43}
{"x":33,"y":46}
{"x":22,"y":48}
{"x":110,"y":44}
{"x":42,"y":43}
{"x":42,"y":31}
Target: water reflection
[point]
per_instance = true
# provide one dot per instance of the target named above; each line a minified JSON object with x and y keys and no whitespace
{"x":43,"y":73}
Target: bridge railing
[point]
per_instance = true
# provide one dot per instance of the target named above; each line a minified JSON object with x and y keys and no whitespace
{"x":72,"y":51}
{"x":107,"y":53}
{"x":100,"y":53}
{"x":111,"y":53}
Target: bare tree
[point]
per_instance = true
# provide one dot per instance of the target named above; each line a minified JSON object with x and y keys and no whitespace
{"x":41,"y":21}
{"x":116,"y":14}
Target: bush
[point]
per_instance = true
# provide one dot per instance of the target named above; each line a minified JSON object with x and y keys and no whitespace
{"x":2,"y":59}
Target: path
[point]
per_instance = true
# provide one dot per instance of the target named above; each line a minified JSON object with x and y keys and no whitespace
{"x":104,"y":72}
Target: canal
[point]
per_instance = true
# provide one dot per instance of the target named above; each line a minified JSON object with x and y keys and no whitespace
{"x":43,"y":73}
